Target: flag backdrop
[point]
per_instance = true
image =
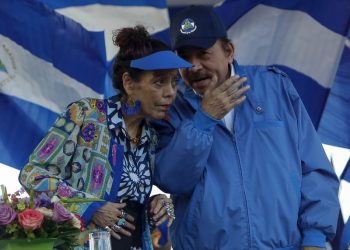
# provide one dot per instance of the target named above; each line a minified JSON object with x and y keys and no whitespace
{"x":342,"y":239}
{"x":334,"y":127}
{"x":53,"y":52}
{"x":303,"y":38}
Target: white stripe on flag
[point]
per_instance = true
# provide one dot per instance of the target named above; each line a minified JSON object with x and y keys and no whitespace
{"x":38,"y":81}
{"x":268,"y":35}
{"x":347,"y":42}
{"x":107,"y":18}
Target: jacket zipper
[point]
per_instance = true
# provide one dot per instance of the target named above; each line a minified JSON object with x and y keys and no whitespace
{"x":242,"y":179}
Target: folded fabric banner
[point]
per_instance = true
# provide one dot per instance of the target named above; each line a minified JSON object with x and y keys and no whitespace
{"x":345,"y":232}
{"x":55,"y":52}
{"x":342,"y":239}
{"x":334,"y":127}
{"x":305,"y":39}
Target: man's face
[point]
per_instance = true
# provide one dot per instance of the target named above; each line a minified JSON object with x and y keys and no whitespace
{"x":210,"y":65}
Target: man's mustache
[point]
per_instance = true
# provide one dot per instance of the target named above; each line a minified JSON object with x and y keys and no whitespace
{"x":198,"y":76}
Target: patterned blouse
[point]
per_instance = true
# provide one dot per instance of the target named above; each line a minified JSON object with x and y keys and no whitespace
{"x":86,"y":155}
{"x":135,"y":183}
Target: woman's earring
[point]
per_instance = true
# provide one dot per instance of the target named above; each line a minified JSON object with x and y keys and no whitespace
{"x":132,"y":108}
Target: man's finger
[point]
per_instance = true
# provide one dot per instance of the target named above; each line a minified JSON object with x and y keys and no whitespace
{"x":213,"y":85}
{"x":236,"y":84}
{"x":229,"y":83}
{"x":238,"y":101}
{"x":241,"y":91}
{"x":161,"y":220}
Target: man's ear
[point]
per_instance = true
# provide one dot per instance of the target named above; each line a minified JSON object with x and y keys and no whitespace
{"x":230,"y":50}
{"x":128,"y":83}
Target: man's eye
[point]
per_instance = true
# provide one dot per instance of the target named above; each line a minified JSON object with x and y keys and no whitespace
{"x":204,"y":52}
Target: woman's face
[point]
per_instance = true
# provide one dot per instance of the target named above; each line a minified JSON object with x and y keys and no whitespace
{"x":156,"y":91}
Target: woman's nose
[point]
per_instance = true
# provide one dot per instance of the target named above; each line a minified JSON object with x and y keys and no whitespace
{"x":170,"y":90}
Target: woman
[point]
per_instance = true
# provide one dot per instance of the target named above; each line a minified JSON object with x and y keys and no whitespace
{"x":102,"y":151}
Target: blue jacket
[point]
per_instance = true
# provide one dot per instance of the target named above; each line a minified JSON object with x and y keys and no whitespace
{"x":267,"y":185}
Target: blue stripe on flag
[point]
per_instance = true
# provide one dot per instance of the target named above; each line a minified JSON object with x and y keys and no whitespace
{"x":345,"y":236}
{"x":326,"y":17}
{"x":333,"y":15}
{"x":56,"y":39}
{"x":334,"y":127}
{"x":63,"y":48}
{"x":22,"y":126}
{"x":58,"y":4}
{"x":230,"y":11}
{"x":42,"y":34}
{"x":313,"y":105}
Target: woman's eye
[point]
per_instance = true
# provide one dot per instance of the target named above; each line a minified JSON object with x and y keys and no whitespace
{"x":176,"y":79}
{"x":158,"y":82}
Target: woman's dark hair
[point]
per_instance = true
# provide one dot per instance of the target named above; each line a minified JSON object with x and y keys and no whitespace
{"x":133,"y":42}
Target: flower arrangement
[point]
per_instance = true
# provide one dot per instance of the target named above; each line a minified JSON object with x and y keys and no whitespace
{"x":37,"y":217}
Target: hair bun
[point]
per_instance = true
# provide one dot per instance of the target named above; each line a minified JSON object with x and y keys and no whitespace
{"x":131,"y":37}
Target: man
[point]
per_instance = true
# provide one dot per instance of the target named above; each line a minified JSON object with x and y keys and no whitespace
{"x":239,"y":153}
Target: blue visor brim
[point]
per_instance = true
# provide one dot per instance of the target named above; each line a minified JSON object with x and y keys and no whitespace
{"x":160,"y":60}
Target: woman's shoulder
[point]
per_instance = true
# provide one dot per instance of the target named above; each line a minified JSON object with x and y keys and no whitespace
{"x":80,"y":110}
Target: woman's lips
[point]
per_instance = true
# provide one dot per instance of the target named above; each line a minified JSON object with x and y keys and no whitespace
{"x":164,"y":107}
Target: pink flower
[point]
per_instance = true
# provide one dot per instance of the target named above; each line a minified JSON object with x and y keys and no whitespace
{"x":30,"y":219}
{"x":7,"y":214}
{"x":60,"y":213}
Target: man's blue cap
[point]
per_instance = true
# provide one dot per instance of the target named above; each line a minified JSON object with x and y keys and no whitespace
{"x":198,"y":26}
{"x":165,"y":59}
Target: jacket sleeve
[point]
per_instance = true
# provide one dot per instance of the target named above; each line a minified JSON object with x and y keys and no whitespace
{"x":182,"y":152}
{"x":49,"y":169}
{"x":319,"y":209}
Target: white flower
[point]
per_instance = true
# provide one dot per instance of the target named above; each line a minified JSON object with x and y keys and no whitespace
{"x":45,"y":211}
{"x":55,"y":199}
{"x":76,"y":222}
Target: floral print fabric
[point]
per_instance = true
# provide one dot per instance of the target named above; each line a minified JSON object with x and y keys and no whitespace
{"x":75,"y":154}
{"x":135,"y":183}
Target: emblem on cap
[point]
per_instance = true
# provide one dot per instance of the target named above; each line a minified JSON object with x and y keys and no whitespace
{"x":188,"y":26}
